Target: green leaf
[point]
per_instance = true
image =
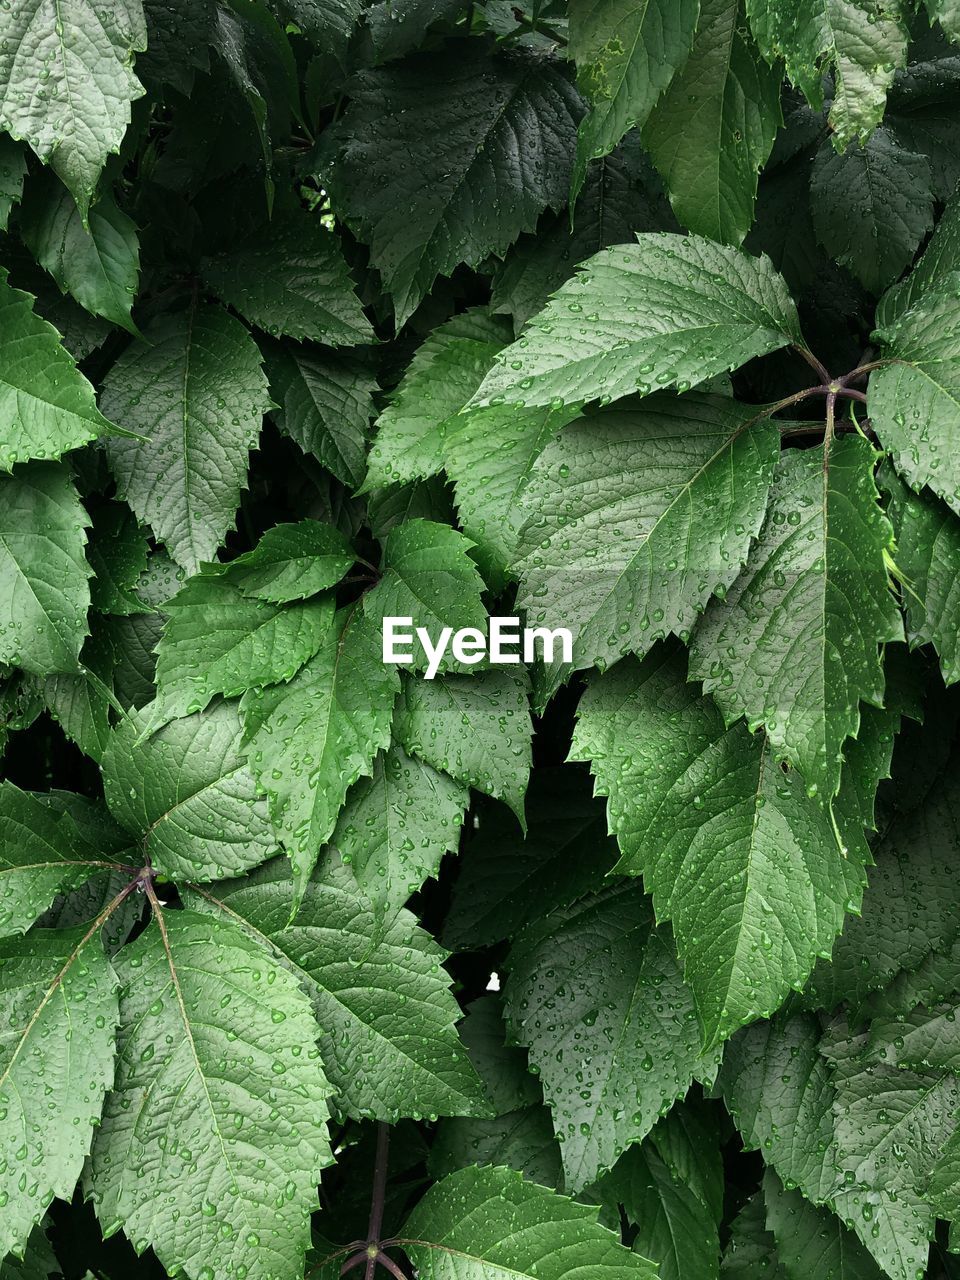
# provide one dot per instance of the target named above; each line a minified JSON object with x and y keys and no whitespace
{"x":326,"y":405}
{"x":872,"y":206}
{"x":939,"y":258}
{"x":427,"y":575}
{"x":387,"y":1016}
{"x":188,"y":794}
{"x":913,"y":402}
{"x":508,"y":880}
{"x":795,"y":645}
{"x":675,"y":1228}
{"x":861,"y":41}
{"x":747,"y":868}
{"x":811,"y":1241}
{"x":521,"y":1133}
{"x":947,"y":14}
{"x":311,"y":739}
{"x":688,"y":1141}
{"x":290,"y":278}
{"x":671,"y":311}
{"x":13,"y":169}
{"x":58,"y":1006}
{"x":459,"y":119}
{"x":476,"y":728}
{"x":480,"y":1223}
{"x":195,"y":388}
{"x":751,"y":1252}
{"x":928,"y":556}
{"x":39,"y":1261}
{"x":219,"y":1106}
{"x":522,"y":1139}
{"x":912,"y":904}
{"x":291,"y":562}
{"x":635,"y":516}
{"x":41,"y":855}
{"x":712,"y":131}
{"x":925,"y":1039}
{"x":83,"y":56}
{"x":218,"y":640}
{"x":626,"y":53}
{"x":117,"y":553}
{"x":600,"y":965}
{"x":97,"y":263}
{"x":778,"y":1089}
{"x":491,"y":455}
{"x":442,"y":376}
{"x":396,"y":825}
{"x":612,"y":205}
{"x":47,"y":405}
{"x":44,"y":592}
{"x":889,"y":1126}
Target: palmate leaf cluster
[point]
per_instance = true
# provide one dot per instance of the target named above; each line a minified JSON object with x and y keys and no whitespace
{"x":639,"y":319}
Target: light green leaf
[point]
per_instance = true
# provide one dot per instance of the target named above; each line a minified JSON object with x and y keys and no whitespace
{"x":98,"y":264}
{"x":396,"y":825}
{"x":459,"y":120}
{"x":289,"y":277}
{"x":635,"y":515}
{"x":626,"y":53}
{"x":218,"y":640}
{"x":928,"y":556}
{"x":44,"y":592}
{"x":601,"y":966}
{"x":41,"y":855}
{"x":195,"y":388}
{"x":712,"y":131}
{"x":291,"y":562}
{"x":427,"y":575}
{"x":188,"y":794}
{"x":387,"y":1016}
{"x":862,"y":42}
{"x":476,"y":728}
{"x":795,"y":645}
{"x":914,"y":402}
{"x":326,"y":405}
{"x":871,"y":207}
{"x":47,"y":405}
{"x":83,"y":56}
{"x":444,"y":373}
{"x":311,"y":739}
{"x":889,"y":1126}
{"x":747,"y":868}
{"x":508,"y":879}
{"x":58,"y":1007}
{"x":670,"y":311}
{"x":219,"y":1106}
{"x":478,"y":1224}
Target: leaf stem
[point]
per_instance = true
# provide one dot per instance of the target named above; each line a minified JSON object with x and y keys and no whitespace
{"x":829,"y":426}
{"x":379,"y":1198}
{"x":818,"y":367}
{"x":354,"y":1261}
{"x":388,"y":1264}
{"x":862,"y":370}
